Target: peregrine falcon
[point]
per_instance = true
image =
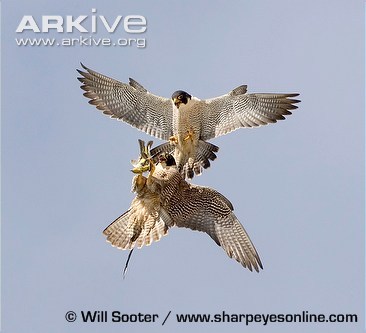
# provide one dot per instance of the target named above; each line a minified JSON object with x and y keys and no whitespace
{"x":184,"y":121}
{"x":164,"y":199}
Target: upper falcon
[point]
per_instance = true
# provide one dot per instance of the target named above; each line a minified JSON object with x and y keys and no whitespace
{"x":186,"y":122}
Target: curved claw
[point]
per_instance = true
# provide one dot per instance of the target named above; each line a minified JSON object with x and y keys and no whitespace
{"x":189,"y":136}
{"x":173,"y":140}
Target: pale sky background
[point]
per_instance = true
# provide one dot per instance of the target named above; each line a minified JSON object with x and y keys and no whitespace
{"x":297,"y":186}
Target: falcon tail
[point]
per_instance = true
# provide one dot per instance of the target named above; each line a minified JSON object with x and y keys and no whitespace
{"x":205,"y":152}
{"x":125,"y":233}
{"x":161,"y":149}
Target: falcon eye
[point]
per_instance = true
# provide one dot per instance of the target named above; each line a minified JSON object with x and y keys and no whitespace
{"x":180,"y":96}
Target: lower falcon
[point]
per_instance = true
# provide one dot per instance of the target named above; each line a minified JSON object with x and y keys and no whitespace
{"x":164,"y":199}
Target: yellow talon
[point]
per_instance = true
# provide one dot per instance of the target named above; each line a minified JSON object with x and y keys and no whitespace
{"x":173,"y":140}
{"x":189,"y":136}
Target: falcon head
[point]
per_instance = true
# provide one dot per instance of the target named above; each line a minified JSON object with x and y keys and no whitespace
{"x":180,"y":97}
{"x":166,"y":160}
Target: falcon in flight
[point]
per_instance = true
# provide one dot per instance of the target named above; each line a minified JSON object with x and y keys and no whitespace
{"x":184,"y":121}
{"x":164,"y":199}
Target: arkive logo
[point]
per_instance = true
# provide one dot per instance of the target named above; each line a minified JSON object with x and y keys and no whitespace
{"x":133,"y":24}
{"x":87,"y":26}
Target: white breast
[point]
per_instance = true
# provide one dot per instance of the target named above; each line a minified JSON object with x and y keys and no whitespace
{"x":187,"y":118}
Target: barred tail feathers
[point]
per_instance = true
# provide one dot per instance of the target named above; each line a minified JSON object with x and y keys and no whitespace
{"x":204,"y":154}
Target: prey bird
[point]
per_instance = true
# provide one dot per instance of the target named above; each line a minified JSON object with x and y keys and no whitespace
{"x":164,"y":200}
{"x":185,"y":122}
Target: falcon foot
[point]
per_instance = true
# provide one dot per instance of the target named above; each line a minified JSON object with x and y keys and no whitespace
{"x":173,"y":140}
{"x":189,"y":136}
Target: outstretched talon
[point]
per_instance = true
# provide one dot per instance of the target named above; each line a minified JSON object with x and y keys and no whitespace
{"x":189,"y":136}
{"x":173,"y":140}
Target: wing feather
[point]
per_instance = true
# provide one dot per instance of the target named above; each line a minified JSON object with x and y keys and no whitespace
{"x":130,"y":103}
{"x":209,"y":211}
{"x":238,"y":109}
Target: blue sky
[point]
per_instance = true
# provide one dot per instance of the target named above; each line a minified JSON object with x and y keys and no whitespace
{"x":296,"y":186}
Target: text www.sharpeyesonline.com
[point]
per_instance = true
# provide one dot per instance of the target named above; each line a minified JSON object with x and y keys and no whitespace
{"x":264,"y":319}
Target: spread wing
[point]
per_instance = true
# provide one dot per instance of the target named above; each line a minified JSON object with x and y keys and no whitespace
{"x":238,"y":109}
{"x":207,"y":210}
{"x":131,"y":103}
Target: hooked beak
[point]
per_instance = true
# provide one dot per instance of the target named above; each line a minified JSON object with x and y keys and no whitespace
{"x":162,"y":158}
{"x":177,"y":102}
